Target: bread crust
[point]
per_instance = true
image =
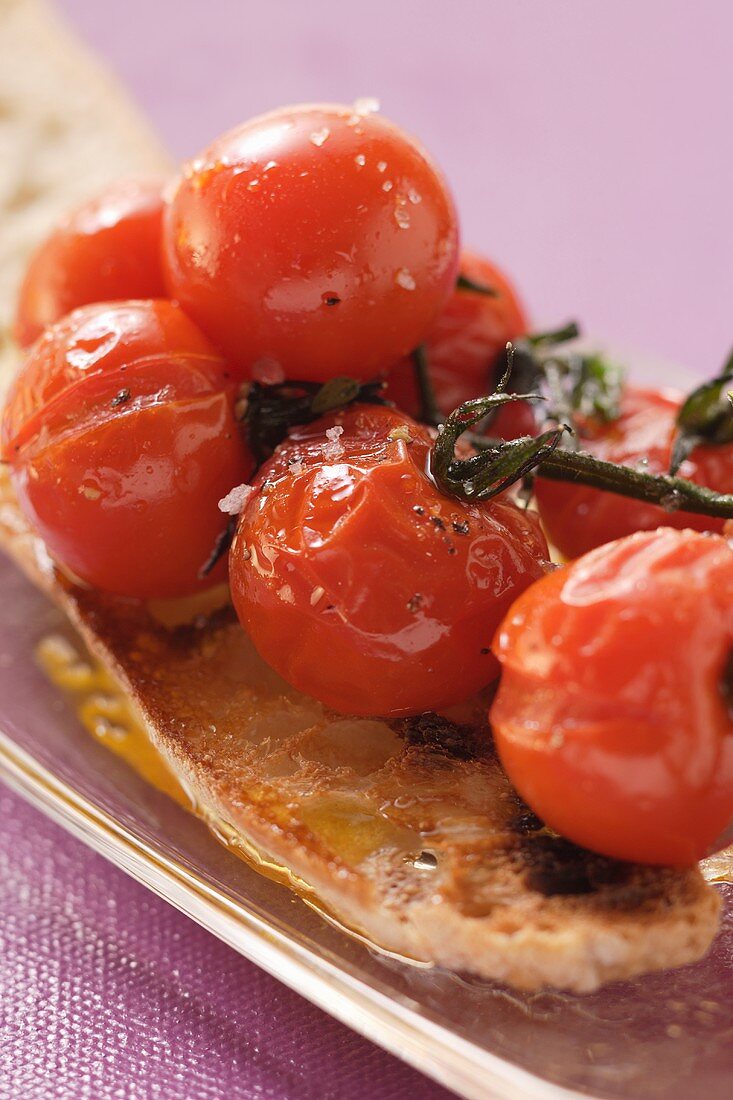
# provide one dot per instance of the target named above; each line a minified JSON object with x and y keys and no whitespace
{"x":408,"y":833}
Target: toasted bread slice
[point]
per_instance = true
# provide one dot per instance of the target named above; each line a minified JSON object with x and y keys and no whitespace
{"x":409,"y":832}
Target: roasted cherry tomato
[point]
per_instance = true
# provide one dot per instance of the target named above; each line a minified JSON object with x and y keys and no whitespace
{"x":613,"y":717}
{"x":312,"y":242}
{"x":107,"y":250}
{"x":578,"y":518}
{"x":122,"y":439}
{"x":364,"y":586}
{"x":463,"y":348}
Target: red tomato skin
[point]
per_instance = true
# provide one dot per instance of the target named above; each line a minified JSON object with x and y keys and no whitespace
{"x":125,"y":494}
{"x":364,"y":586}
{"x":578,"y":518}
{"x":610,"y":718}
{"x":106,"y":250}
{"x":463,"y":346}
{"x":279,"y":217}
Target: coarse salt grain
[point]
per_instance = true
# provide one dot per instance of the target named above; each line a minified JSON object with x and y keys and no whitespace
{"x":235,"y":500}
{"x":334,"y":448}
{"x":366,"y":105}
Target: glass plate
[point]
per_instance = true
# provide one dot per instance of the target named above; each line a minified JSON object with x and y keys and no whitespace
{"x":668,"y":1035}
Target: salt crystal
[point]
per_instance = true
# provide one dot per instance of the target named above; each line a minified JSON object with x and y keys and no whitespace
{"x":319,"y":136}
{"x":366,"y":105}
{"x":235,"y":500}
{"x":404,"y":279}
{"x":334,"y":448}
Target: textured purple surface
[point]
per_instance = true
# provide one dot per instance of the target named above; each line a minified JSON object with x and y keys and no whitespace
{"x":587,"y":145}
{"x":108,"y":992}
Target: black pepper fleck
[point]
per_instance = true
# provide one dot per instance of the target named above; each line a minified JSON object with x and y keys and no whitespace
{"x":120,"y":398}
{"x":437,"y":522}
{"x":460,"y":526}
{"x":418,"y":510}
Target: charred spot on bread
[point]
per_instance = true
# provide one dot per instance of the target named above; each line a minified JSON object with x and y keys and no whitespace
{"x":441,"y":735}
{"x":555,"y":866}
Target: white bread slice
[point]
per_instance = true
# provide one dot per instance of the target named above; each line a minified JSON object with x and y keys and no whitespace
{"x":66,"y":130}
{"x":345,"y":807}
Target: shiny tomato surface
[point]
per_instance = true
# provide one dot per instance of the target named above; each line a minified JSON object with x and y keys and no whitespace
{"x":578,"y":518}
{"x":463,"y":348}
{"x":121,"y":436}
{"x":315,"y":241}
{"x":364,"y":586}
{"x":106,"y":250}
{"x":613,"y":717}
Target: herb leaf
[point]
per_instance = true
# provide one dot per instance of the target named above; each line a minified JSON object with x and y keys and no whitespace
{"x":575,"y":383}
{"x":495,"y":468}
{"x":706,"y":417}
{"x":271,"y":411}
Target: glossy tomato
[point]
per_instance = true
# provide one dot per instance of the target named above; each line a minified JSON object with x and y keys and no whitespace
{"x":364,"y":586}
{"x":121,"y":436}
{"x":613,"y":717}
{"x":464,"y":346}
{"x":108,"y":249}
{"x":578,"y":518}
{"x":312,"y":242}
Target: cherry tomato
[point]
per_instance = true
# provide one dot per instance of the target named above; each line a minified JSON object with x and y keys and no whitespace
{"x":316,"y":241}
{"x":464,"y":346}
{"x":578,"y":518}
{"x":121,"y":436}
{"x":107,"y":250}
{"x":364,"y":586}
{"x":613,"y":717}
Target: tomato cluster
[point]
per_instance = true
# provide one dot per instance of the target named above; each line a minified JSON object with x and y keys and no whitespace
{"x":167,"y":327}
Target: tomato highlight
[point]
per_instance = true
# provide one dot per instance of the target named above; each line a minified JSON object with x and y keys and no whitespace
{"x":612,"y":717}
{"x":312,"y":242}
{"x":121,"y":438}
{"x":106,"y":250}
{"x":361,"y":583}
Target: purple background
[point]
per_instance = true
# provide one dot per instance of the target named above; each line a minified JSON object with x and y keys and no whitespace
{"x":588,"y":143}
{"x":589,"y":148}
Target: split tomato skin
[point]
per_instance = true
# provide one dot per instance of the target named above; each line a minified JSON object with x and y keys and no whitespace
{"x":577,"y":518}
{"x":109,"y":249}
{"x":315,"y":241}
{"x":364,"y":586}
{"x":613,"y":718}
{"x":121,"y":438}
{"x":464,"y":345}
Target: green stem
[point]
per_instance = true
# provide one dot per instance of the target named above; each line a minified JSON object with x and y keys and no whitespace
{"x":464,"y":283}
{"x":429,"y":411}
{"x":569,"y":331}
{"x":674,"y":494}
